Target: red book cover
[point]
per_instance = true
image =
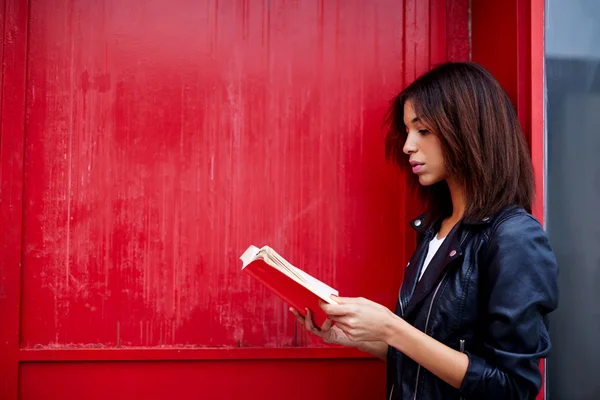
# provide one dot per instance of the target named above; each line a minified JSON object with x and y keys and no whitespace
{"x":287,"y":288}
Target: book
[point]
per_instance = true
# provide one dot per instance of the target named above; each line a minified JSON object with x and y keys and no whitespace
{"x":291,"y":284}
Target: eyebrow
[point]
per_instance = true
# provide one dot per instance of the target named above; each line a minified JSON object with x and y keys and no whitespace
{"x":415,"y":120}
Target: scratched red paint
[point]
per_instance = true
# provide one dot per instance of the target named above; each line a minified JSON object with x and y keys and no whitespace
{"x":161,"y":141}
{"x":158,"y":143}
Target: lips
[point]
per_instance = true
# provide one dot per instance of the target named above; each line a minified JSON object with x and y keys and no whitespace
{"x":416,"y":166}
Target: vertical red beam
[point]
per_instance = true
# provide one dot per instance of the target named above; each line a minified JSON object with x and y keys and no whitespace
{"x":438,"y":39}
{"x":497,"y":41}
{"x":11,"y":190}
{"x":508,"y":40}
{"x":458,"y":30}
{"x":536,"y":128}
{"x":2,"y":17}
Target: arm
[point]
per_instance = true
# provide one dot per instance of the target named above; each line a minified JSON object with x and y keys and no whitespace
{"x":521,"y":282}
{"x":378,"y":349}
{"x":441,"y":360}
{"x":365,"y":321}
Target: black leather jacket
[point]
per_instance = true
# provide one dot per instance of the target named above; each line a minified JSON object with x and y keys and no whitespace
{"x":486,"y":292}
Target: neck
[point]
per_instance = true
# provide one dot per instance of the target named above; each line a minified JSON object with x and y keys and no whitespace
{"x":459,"y":200}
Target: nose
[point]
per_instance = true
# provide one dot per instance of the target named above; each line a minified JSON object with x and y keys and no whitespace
{"x":410,"y":145}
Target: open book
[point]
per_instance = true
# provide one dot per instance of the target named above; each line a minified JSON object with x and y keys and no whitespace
{"x":296,"y":287}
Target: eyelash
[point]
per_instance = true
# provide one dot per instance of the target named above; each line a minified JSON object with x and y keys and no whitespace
{"x":421,"y":132}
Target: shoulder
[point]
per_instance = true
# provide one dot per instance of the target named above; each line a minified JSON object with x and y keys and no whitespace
{"x":518,"y":250}
{"x":515,"y":223}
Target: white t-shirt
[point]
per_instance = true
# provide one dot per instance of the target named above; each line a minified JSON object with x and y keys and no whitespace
{"x":434,"y":245}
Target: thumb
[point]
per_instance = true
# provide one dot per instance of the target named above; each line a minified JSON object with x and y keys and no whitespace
{"x":347,"y":300}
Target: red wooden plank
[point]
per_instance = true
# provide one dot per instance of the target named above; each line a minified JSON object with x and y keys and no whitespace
{"x":458,"y":31}
{"x":290,"y":380}
{"x":2,"y":22}
{"x":154,"y":354}
{"x":11,"y":190}
{"x":438,"y":40}
{"x":496,"y":40}
{"x":537,"y":134}
{"x":535,"y":100}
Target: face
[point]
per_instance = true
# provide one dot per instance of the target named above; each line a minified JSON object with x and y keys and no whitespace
{"x":423,"y":148}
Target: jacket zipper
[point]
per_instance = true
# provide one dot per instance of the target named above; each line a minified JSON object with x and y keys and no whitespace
{"x":426,"y":325}
{"x":464,"y":239}
{"x":462,"y":350}
{"x":400,"y":295}
{"x":401,"y":306}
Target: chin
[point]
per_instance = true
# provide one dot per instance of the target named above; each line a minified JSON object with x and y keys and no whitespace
{"x":427,"y":180}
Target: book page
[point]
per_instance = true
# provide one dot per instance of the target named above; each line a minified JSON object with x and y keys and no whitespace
{"x":273,"y":259}
{"x":313,"y":284}
{"x":249,"y":255}
{"x":323,"y":290}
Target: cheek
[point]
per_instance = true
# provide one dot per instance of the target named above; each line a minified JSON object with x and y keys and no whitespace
{"x":433,"y":149}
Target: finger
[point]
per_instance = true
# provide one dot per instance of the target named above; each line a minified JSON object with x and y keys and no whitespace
{"x":309,"y":323}
{"x":298,"y":316}
{"x":349,"y":300}
{"x":337,"y":310}
{"x":345,"y":328}
{"x":345,"y":320}
{"x":326,"y":325}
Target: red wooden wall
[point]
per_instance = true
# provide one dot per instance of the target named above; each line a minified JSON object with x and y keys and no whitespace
{"x":145,"y":145}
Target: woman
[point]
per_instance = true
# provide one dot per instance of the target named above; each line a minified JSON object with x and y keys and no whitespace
{"x":469,"y":321}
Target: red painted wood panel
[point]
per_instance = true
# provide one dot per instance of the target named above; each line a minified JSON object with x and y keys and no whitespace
{"x":161,"y":143}
{"x":197,"y":380}
{"x":144,"y":148}
{"x":11,"y":189}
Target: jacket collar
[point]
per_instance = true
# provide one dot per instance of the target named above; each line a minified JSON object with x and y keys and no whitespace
{"x":450,"y":250}
{"x":414,"y":290}
{"x":420,"y":223}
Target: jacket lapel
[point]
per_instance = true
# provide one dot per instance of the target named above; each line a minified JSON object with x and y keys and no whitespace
{"x":449,"y":251}
{"x":411,"y":273}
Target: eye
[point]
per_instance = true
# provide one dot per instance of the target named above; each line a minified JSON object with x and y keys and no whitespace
{"x":423,"y":132}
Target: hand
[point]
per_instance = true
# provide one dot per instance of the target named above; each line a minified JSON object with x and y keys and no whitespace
{"x":360,"y":319}
{"x":329,"y":334}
